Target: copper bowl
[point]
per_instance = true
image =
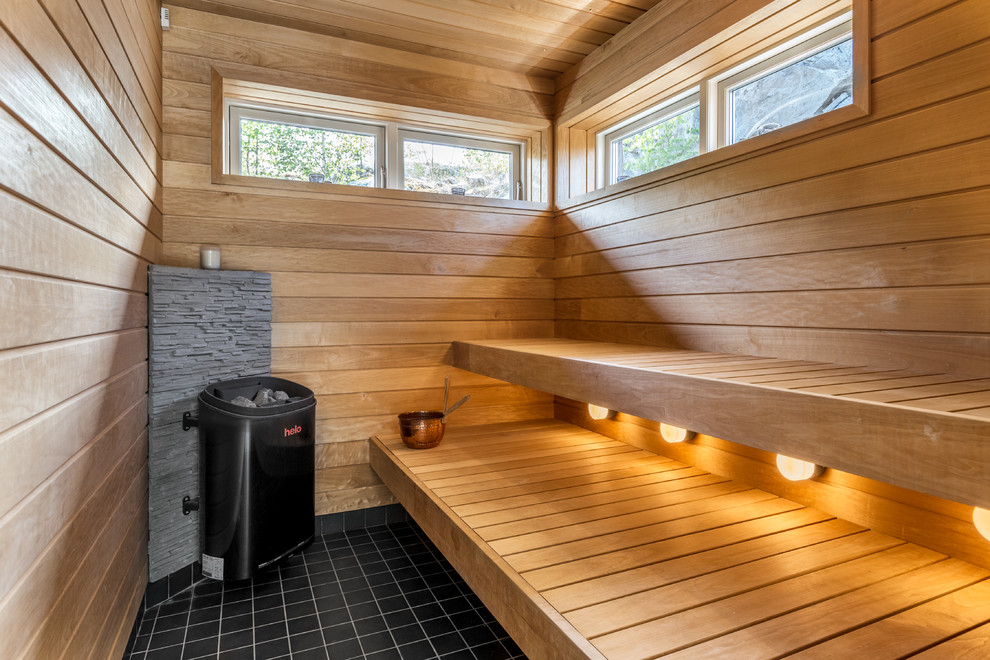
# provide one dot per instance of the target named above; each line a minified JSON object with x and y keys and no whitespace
{"x":421,"y":429}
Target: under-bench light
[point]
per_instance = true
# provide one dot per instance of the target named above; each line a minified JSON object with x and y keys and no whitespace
{"x":981,"y":519}
{"x":598,"y":412}
{"x":797,"y":470}
{"x":674,"y":434}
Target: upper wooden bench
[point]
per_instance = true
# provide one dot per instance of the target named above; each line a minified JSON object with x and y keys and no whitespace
{"x":925,"y":432}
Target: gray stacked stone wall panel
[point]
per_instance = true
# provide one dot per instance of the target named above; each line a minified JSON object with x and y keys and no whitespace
{"x":204,"y":326}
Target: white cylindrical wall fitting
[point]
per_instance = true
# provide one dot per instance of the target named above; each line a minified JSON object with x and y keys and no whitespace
{"x":209,"y":257}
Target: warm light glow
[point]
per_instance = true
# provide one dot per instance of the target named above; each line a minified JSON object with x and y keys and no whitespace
{"x":598,"y":412}
{"x":795,"y":469}
{"x":981,"y":518}
{"x":674,"y":434}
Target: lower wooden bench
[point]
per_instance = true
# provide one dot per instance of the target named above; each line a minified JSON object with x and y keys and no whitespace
{"x":586,"y":547}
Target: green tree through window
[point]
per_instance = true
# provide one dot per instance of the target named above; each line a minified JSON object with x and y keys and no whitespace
{"x":284,"y":151}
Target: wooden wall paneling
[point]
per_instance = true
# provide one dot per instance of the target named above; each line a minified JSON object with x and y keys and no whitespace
{"x":38,"y":242}
{"x":187,"y":95}
{"x":440,"y":33}
{"x":411,"y":332}
{"x":292,"y":310}
{"x":40,"y":39}
{"x":185,"y":121}
{"x":329,"y":260}
{"x":344,"y":210}
{"x":115,"y":630}
{"x":80,"y":363}
{"x":66,"y":429}
{"x":352,"y":499}
{"x":25,"y":615}
{"x":46,"y":511}
{"x":958,"y":26}
{"x":192,"y":22}
{"x":950,"y":216}
{"x":124,"y":565}
{"x":45,"y":310}
{"x":364,"y":285}
{"x":371,"y":380}
{"x":287,"y":234}
{"x":889,"y":15}
{"x":84,"y":603}
{"x":318,"y":358}
{"x":903,"y":265}
{"x":346,"y":477}
{"x":344,"y":453}
{"x":347,"y":428}
{"x":956,"y":353}
{"x":94,"y":41}
{"x":360,"y":404}
{"x":34,"y":172}
{"x":81,"y":218}
{"x":41,"y":106}
{"x":302,"y":54}
{"x":187,"y":149}
{"x":141,"y":57}
{"x":935,"y":309}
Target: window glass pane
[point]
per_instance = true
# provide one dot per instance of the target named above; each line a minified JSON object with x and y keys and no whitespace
{"x":447,"y":168}
{"x":667,"y":142}
{"x":306,"y":153}
{"x":806,"y":88}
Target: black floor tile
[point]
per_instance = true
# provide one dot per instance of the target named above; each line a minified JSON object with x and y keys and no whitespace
{"x":383,"y":593}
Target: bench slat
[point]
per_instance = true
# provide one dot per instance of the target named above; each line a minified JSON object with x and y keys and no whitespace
{"x":658,"y":558}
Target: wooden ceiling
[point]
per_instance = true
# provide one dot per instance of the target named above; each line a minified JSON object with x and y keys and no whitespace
{"x":537,"y":37}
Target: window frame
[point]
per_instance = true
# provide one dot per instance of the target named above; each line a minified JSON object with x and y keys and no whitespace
{"x":666,"y":109}
{"x":515,"y":149}
{"x":705,"y":71}
{"x":235,"y":112}
{"x":830,"y":33}
{"x":389,"y":136}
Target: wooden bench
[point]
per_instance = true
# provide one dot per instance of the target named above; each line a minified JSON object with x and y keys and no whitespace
{"x":925,"y":432}
{"x":587,"y":547}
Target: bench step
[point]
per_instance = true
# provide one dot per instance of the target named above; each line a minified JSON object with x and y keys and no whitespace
{"x":583,"y":546}
{"x":925,"y":432}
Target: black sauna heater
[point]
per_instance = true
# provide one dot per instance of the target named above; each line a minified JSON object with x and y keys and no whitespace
{"x":256,"y":474}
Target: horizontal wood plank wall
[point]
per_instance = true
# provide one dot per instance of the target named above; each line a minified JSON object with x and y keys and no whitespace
{"x":80,"y":221}
{"x":368,"y":289}
{"x":866,"y":245}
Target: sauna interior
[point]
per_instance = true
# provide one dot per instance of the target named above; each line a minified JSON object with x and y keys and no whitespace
{"x":817,"y":291}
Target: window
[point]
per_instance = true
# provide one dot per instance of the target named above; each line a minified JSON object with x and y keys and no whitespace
{"x":281,"y":144}
{"x":808,"y":79}
{"x":663,"y":137}
{"x":792,"y":81}
{"x":462,"y":166}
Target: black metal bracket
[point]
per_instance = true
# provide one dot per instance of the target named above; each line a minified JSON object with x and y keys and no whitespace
{"x":189,"y":504}
{"x":188,"y":421}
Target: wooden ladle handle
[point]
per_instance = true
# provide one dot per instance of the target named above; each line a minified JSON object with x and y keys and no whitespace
{"x":456,"y":406}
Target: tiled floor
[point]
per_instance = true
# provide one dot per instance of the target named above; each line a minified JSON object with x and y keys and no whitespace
{"x":382,"y":592}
